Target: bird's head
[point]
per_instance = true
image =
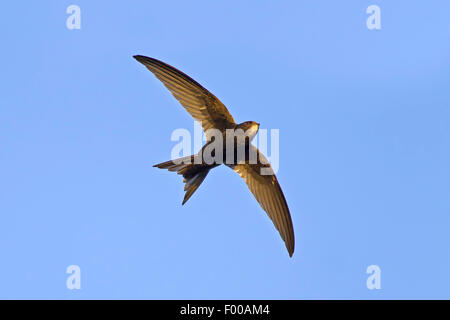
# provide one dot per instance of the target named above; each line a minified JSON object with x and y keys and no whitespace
{"x":250,"y":128}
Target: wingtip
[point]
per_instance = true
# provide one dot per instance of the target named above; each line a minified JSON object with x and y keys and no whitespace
{"x":139,"y":58}
{"x":290,"y":251}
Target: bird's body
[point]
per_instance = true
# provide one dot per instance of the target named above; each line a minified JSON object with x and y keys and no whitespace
{"x":222,"y":132}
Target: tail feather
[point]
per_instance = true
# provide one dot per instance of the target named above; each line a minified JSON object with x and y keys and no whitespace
{"x":175,"y":164}
{"x":193,"y":184}
{"x":193,"y":173}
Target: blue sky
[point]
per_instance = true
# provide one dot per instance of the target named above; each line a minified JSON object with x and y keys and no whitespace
{"x":364,"y":150}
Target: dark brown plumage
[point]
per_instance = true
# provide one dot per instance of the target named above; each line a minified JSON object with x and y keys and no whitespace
{"x":204,"y":107}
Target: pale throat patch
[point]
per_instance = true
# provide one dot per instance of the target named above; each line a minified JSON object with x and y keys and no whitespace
{"x":252,"y":131}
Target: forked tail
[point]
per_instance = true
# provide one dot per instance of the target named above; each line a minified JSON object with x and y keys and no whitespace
{"x":193,"y":173}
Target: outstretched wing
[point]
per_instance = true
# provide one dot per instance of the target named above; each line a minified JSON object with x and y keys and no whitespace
{"x":263,"y":183}
{"x":201,"y":104}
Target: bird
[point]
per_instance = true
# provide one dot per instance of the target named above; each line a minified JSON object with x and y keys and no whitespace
{"x":212,"y":114}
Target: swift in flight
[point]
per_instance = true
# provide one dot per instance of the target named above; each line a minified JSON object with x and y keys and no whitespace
{"x":204,"y":107}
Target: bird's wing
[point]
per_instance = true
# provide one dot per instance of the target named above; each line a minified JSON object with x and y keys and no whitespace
{"x":201,"y":104}
{"x":267,"y":191}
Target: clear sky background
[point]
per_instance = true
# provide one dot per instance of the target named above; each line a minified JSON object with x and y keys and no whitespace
{"x":364,"y":120}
